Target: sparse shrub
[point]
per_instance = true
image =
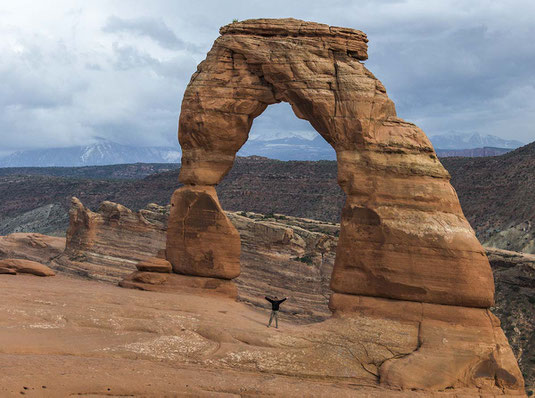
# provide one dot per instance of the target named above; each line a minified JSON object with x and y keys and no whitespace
{"x":268,"y":215}
{"x":307,"y":259}
{"x":235,"y":20}
{"x":243,"y":214}
{"x":531,"y":299}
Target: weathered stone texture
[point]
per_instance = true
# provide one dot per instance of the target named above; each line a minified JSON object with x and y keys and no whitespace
{"x":31,"y":246}
{"x":403,"y":233}
{"x":20,"y":266}
{"x":201,"y":240}
{"x":455,"y":346}
{"x":154,"y":264}
{"x":108,"y":244}
{"x":173,"y":283}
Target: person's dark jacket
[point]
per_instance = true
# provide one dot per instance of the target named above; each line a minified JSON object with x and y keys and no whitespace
{"x":275,"y":303}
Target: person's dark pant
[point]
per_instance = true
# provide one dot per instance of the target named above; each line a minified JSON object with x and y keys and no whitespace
{"x":274,"y":315}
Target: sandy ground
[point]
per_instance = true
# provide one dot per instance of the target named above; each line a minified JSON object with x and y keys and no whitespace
{"x":63,"y":337}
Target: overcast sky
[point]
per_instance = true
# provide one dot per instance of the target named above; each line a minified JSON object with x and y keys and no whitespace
{"x":73,"y":72}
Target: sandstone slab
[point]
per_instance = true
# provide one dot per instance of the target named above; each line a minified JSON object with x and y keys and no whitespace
{"x":155,"y":265}
{"x":31,"y":246}
{"x":140,"y":343}
{"x":173,"y":283}
{"x":456,"y":346}
{"x":19,"y":266}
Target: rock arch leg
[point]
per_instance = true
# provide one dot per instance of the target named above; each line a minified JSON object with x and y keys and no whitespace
{"x":201,"y":240}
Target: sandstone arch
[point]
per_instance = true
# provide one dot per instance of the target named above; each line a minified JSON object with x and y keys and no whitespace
{"x":403,"y":234}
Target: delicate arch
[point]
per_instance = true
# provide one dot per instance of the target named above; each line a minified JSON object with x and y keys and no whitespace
{"x":403,"y":233}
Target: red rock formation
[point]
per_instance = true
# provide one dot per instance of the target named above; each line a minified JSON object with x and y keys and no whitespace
{"x":30,"y":246}
{"x":18,"y":266}
{"x":201,"y":240}
{"x":155,"y":265}
{"x":403,"y":233}
{"x":107,"y":245}
{"x":170,"y":282}
{"x":397,"y":343}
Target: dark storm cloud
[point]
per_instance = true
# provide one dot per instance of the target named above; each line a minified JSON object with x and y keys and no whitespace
{"x":154,"y":28}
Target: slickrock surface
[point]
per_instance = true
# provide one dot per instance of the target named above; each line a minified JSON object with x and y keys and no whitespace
{"x":30,"y":246}
{"x":403,"y":233}
{"x":159,"y":282}
{"x":15,"y":266}
{"x":66,"y":337}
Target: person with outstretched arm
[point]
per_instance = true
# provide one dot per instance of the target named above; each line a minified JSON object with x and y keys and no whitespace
{"x":275,"y":303}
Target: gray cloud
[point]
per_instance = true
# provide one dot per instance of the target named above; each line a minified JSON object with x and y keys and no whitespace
{"x":154,"y":28}
{"x":118,"y":70}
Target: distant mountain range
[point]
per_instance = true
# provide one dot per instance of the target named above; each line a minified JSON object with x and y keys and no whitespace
{"x":101,"y":153}
{"x":471,"y":141}
{"x":292,"y":147}
{"x":472,"y":153}
{"x":109,"y":153}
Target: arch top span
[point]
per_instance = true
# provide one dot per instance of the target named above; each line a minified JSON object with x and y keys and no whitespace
{"x":403,"y":234}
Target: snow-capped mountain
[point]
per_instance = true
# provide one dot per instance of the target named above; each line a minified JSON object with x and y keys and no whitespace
{"x":283,"y":146}
{"x":290,"y":148}
{"x":471,"y":141}
{"x":298,"y":147}
{"x":101,"y":153}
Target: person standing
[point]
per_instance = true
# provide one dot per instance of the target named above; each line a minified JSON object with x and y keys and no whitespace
{"x":275,"y":303}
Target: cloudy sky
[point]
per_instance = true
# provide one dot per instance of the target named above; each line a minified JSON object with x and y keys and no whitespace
{"x":73,"y":72}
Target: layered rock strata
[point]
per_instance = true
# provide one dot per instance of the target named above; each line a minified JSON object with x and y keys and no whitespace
{"x":156,"y":274}
{"x":403,"y":234}
{"x":31,"y":246}
{"x":111,"y":241}
{"x":15,"y":266}
{"x":279,"y":255}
